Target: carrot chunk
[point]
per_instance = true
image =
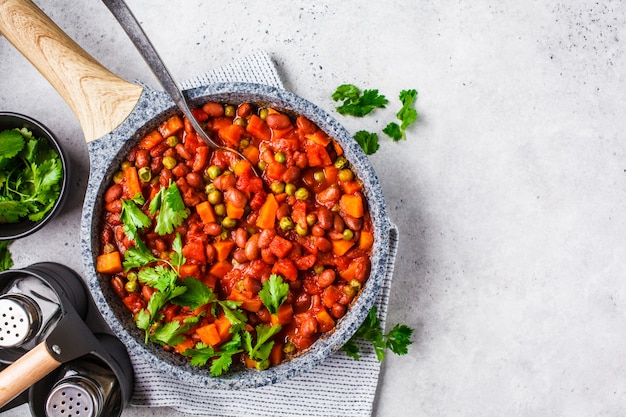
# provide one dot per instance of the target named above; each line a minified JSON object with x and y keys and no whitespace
{"x":209,"y":334}
{"x":267,"y":213}
{"x":352,"y":204}
{"x":109,"y":263}
{"x":206,"y":213}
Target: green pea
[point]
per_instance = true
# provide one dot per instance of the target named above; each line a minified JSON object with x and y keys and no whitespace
{"x":145,"y":174}
{"x":215,"y":197}
{"x":229,"y":111}
{"x":346,"y":175}
{"x":319,"y":176}
{"x":277,"y":187}
{"x":262,"y":165}
{"x":289,"y":348}
{"x":131,"y":286}
{"x":213,"y":171}
{"x":171,"y":141}
{"x":318,"y":269}
{"x":118,"y":177}
{"x":220,"y":209}
{"x":311,"y":219}
{"x":262,"y":365}
{"x":240,"y":121}
{"x":286,"y":223}
{"x":290,"y":189}
{"x":263,"y":113}
{"x":341,"y":162}
{"x":169,"y":162}
{"x":302,"y":193}
{"x":126,"y":164}
{"x":348,"y":234}
{"x":243,"y":144}
{"x":302,"y":231}
{"x":355,"y":284}
{"x":109,"y":247}
{"x":131,"y":276}
{"x":280,"y":157}
{"x":209,"y":188}
{"x":229,"y":223}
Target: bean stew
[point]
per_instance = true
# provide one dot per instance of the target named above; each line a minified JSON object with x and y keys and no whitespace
{"x":225,"y":266}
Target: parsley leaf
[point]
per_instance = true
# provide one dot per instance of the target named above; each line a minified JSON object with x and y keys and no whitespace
{"x":171,"y":209}
{"x":274,"y":293}
{"x":397,"y":340}
{"x":368,"y":141}
{"x":355,"y":103}
{"x":236,"y":317}
{"x":6,"y":262}
{"x":197,"y":294}
{"x":30,"y":176}
{"x":406,"y":115}
{"x":260,"y":352}
{"x":222,"y":361}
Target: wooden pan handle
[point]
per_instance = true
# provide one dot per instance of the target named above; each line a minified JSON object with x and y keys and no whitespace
{"x":24,"y":372}
{"x":100,"y":100}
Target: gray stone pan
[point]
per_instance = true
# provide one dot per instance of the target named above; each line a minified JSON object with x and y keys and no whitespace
{"x":114,"y":115}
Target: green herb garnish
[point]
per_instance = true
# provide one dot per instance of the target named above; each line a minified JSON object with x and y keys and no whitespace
{"x":6,"y":262}
{"x":170,"y":207}
{"x":407,"y":115}
{"x":261,"y":349}
{"x":274,"y":293}
{"x":30,"y":176}
{"x":367,"y":140}
{"x":397,"y":340}
{"x":356,"y":103}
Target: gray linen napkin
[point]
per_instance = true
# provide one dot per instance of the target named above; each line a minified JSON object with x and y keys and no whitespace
{"x":340,"y":386}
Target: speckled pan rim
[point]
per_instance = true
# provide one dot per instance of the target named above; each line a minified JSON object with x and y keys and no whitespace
{"x":108,"y":152}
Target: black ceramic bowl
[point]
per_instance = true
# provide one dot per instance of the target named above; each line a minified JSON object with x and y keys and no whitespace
{"x":8,"y":120}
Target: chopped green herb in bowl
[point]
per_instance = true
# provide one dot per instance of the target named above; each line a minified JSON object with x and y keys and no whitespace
{"x":33,"y":176}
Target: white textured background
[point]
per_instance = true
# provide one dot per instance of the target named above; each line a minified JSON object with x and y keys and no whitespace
{"x":509,"y":192}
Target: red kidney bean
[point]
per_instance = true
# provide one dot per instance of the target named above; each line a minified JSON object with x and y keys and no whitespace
{"x":212,"y":229}
{"x":264,"y":315}
{"x":353,"y":223}
{"x":338,"y":310}
{"x":302,"y":302}
{"x":338,"y":224}
{"x":283,"y":210}
{"x":291,"y":174}
{"x":322,"y":244}
{"x":317,"y":231}
{"x":252,"y":247}
{"x":114,"y":206}
{"x":300,"y":159}
{"x":326,"y":278}
{"x":213,"y":109}
{"x":183,"y":152}
{"x":324,"y":218}
{"x":239,"y":255}
{"x":278,"y":121}
{"x":195,"y":180}
{"x":200,"y":159}
{"x":113,"y":193}
{"x":159,"y":150}
{"x":330,"y":195}
{"x":210,"y":252}
{"x":268,"y":257}
{"x":156,"y":165}
{"x":165,"y":176}
{"x":241,"y":237}
{"x":244,"y":110}
{"x":225,"y":181}
{"x":118,"y":286}
{"x":265,"y":238}
{"x":142,"y":158}
{"x":235,"y":197}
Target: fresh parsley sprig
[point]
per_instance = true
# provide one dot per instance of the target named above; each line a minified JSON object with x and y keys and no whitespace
{"x":274,"y":293}
{"x":170,"y":210}
{"x":262,"y":347}
{"x":368,"y":141}
{"x":397,"y":340}
{"x":407,"y":115}
{"x":356,"y":103}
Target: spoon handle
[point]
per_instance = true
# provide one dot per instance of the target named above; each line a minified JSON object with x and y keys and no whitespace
{"x":131,"y":26}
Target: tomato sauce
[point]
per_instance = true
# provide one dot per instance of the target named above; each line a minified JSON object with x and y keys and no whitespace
{"x":304,"y":218}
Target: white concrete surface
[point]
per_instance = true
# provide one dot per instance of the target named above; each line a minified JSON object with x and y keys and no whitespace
{"x":510,"y":192}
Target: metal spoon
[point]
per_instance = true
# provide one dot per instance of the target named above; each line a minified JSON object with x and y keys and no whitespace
{"x":131,"y":26}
